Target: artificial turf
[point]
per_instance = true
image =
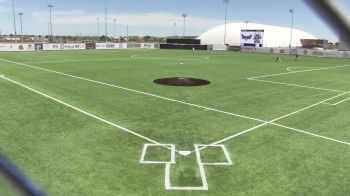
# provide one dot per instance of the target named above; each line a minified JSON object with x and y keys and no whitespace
{"x":68,"y":153}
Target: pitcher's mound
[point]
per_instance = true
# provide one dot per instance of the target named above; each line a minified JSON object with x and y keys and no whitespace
{"x":181,"y":81}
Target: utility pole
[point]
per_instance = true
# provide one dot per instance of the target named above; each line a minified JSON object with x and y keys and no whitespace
{"x":184,"y":29}
{"x":115,"y":20}
{"x":291,"y":27}
{"x":98,"y":29}
{"x":174,"y":29}
{"x":14,"y":19}
{"x":106,"y":21}
{"x":20,"y":18}
{"x":51,"y":35}
{"x":226,"y":2}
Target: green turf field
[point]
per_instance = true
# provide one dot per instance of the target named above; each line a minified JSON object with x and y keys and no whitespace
{"x":77,"y":123}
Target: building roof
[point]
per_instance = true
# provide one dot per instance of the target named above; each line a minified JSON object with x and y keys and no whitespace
{"x":274,"y":36}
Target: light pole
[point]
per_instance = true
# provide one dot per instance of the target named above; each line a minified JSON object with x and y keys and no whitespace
{"x":226,"y":2}
{"x":20,"y":18}
{"x":14,"y":19}
{"x":291,"y":27}
{"x":174,"y":29}
{"x":98,"y":29}
{"x":106,"y":21}
{"x":184,"y":30}
{"x":50,"y":7}
{"x":115,"y":20}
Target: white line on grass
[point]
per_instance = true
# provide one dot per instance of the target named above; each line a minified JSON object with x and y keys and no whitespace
{"x":312,"y":134}
{"x":136,"y":91}
{"x":293,"y":72}
{"x":296,"y":85}
{"x":86,"y":113}
{"x":182,"y":102}
{"x":291,"y":68}
{"x":339,"y":102}
{"x":272,"y":122}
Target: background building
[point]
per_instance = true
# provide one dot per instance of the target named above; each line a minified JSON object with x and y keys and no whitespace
{"x":274,"y":36}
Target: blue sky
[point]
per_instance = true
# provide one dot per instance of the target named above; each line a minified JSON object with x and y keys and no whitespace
{"x":157,"y":17}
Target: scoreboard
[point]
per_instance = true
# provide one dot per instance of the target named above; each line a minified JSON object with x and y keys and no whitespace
{"x":253,"y":38}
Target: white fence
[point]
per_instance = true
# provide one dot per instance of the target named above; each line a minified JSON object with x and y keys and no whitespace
{"x":299,"y":51}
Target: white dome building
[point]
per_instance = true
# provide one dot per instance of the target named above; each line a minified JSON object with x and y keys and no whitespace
{"x":274,"y":36}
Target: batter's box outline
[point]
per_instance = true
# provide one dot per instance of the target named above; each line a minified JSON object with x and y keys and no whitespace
{"x":144,"y":151}
{"x":168,"y":164}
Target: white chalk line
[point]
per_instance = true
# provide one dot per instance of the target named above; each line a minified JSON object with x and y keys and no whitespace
{"x":164,"y":98}
{"x":200,"y":163}
{"x":294,"y":72}
{"x":84,"y":112}
{"x":291,"y":68}
{"x":272,"y":122}
{"x":137,"y":91}
{"x":297,"y":85}
{"x":337,"y":103}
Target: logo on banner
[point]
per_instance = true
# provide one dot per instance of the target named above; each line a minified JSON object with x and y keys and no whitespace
{"x":109,"y":45}
{"x":20,"y":47}
{"x":257,"y":38}
{"x":62,"y":46}
{"x":246,"y":38}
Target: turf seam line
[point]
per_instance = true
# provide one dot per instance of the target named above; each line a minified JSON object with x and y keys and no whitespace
{"x":86,"y":113}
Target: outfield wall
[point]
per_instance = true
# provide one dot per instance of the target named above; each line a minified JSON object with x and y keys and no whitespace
{"x":17,"y":47}
{"x":299,"y":51}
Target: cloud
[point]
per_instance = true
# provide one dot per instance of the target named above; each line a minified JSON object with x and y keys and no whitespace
{"x":151,"y":19}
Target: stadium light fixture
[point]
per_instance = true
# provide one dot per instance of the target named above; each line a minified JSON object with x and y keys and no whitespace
{"x":184,"y":30}
{"x":226,"y":2}
{"x":291,"y":11}
{"x":51,"y":36}
{"x":20,"y":18}
{"x":14,"y":19}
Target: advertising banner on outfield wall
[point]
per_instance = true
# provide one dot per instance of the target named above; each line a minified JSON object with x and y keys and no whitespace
{"x":17,"y":47}
{"x":147,"y":46}
{"x":219,"y":47}
{"x":90,"y":46}
{"x":78,"y":46}
{"x":111,"y":46}
{"x":299,"y":51}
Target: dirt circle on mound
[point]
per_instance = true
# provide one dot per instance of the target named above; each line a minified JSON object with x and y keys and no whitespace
{"x":181,"y":81}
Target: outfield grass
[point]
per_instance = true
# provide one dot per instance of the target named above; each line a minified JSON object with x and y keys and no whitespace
{"x":69,"y":153}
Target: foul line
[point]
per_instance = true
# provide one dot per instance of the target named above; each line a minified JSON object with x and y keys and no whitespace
{"x":137,"y":91}
{"x":86,"y":113}
{"x":272,"y":122}
{"x":207,"y":108}
{"x":257,"y":78}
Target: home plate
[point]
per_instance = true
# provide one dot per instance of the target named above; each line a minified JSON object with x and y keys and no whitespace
{"x":185,"y":153}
